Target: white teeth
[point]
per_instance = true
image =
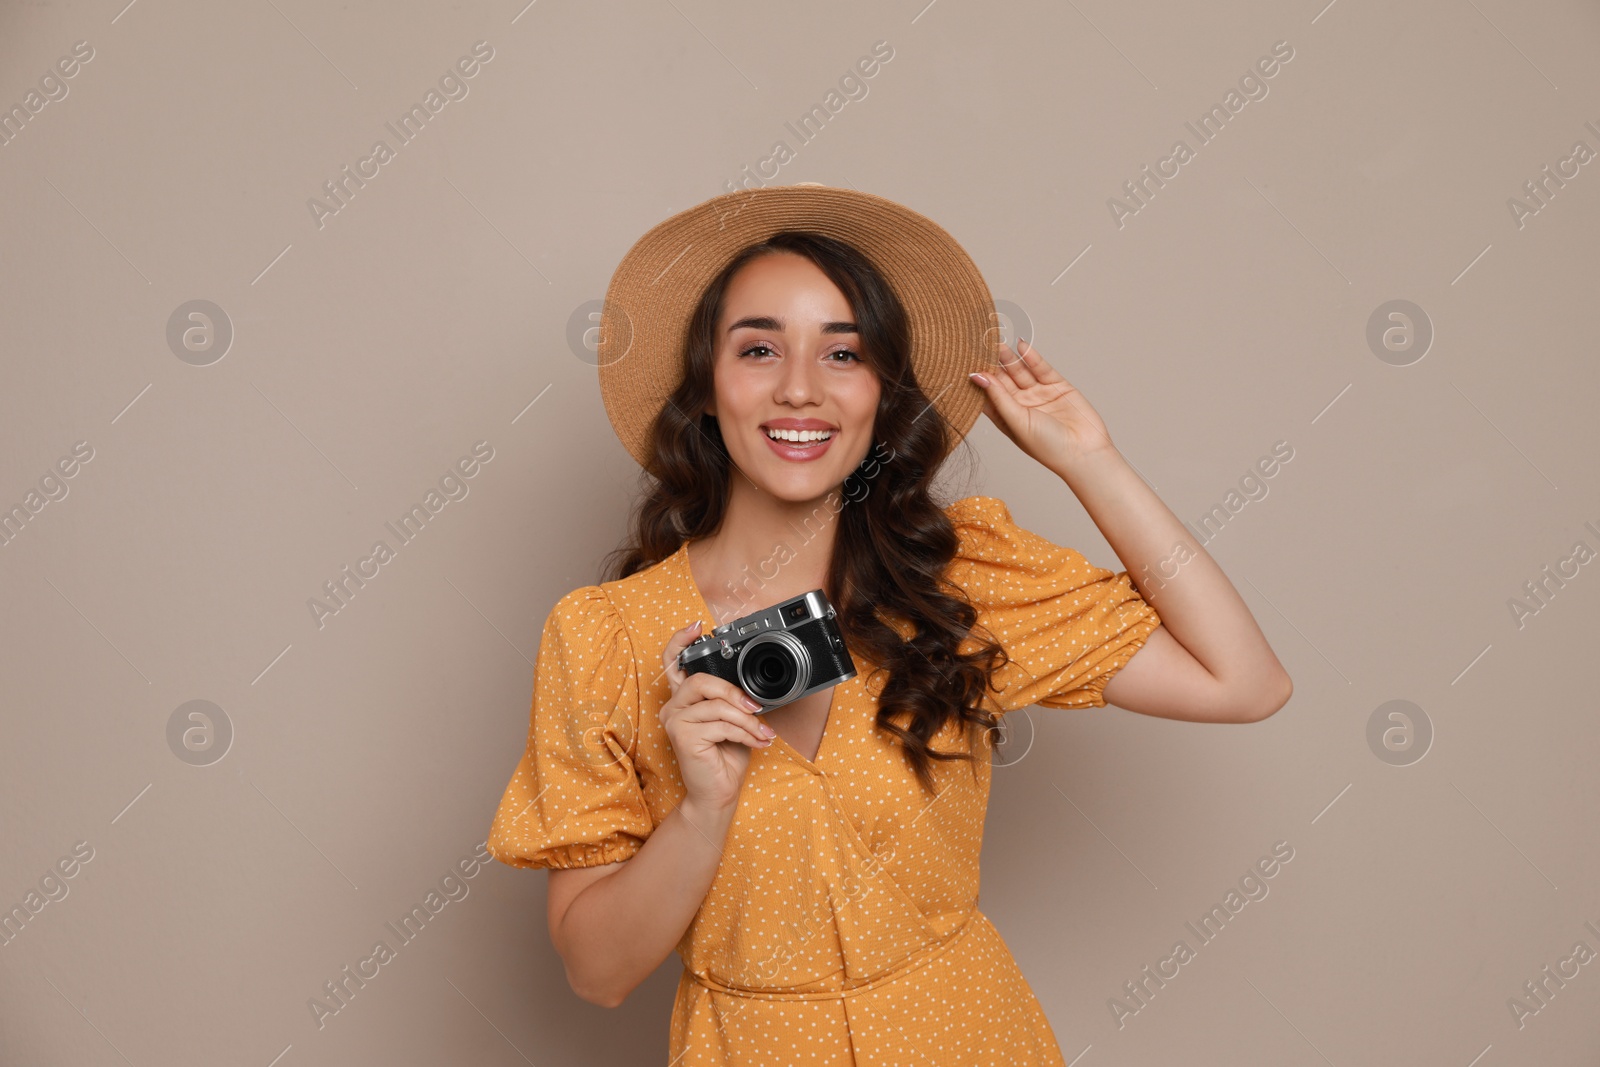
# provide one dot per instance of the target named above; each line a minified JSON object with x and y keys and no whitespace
{"x":799,"y":436}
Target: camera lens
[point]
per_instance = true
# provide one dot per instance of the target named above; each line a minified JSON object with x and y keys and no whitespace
{"x":773,"y":667}
{"x":770,"y":671}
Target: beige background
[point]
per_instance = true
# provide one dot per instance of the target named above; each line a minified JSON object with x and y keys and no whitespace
{"x":370,"y":354}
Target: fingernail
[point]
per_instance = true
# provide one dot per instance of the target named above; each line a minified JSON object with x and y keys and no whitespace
{"x":767,"y":731}
{"x":753,"y":705}
{"x":980,"y":379}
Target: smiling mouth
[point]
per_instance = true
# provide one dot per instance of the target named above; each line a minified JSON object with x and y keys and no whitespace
{"x":798,"y":438}
{"x":799,"y":446}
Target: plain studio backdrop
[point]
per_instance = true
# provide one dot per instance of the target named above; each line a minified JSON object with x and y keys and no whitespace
{"x":241,"y":343}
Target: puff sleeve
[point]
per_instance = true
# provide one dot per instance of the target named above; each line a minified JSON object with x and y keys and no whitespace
{"x":575,"y":799}
{"x":1067,"y":625}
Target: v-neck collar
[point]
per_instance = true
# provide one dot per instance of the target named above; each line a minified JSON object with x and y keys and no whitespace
{"x":680,"y":559}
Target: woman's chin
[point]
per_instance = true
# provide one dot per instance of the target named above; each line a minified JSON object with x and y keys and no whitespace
{"x":795,"y":486}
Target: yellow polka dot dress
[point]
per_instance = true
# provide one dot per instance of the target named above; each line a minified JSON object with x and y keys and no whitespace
{"x":842,"y":925}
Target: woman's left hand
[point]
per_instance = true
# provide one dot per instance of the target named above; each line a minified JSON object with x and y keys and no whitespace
{"x":1042,"y":412}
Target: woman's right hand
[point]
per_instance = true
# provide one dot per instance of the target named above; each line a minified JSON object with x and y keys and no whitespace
{"x":712,"y":727}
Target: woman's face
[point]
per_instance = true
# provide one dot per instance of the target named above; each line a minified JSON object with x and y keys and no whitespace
{"x":788,"y":357}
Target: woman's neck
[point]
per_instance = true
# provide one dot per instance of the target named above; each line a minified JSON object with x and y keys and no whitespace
{"x":765,"y":551}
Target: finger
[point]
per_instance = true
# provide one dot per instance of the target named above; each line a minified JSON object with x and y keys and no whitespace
{"x":707,"y":686}
{"x":675,"y":644}
{"x":1042,"y":372}
{"x":723,"y":731}
{"x":1017,"y":367}
{"x":988,"y":405}
{"x":717,"y":710}
{"x":1000,"y":395}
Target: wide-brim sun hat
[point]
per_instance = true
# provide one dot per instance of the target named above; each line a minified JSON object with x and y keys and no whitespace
{"x":644,"y":320}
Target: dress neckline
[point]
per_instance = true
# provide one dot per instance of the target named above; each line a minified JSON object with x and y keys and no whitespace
{"x":680,"y":559}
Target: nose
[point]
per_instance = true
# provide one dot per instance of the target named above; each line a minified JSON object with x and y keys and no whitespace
{"x":797,"y":384}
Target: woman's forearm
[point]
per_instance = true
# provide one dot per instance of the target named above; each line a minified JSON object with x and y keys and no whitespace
{"x":1198,"y":605}
{"x":617,"y":931}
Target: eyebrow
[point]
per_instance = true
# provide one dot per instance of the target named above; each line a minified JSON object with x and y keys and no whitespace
{"x":767,"y":322}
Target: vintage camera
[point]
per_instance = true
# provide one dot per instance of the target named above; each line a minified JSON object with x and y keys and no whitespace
{"x":778,"y":654}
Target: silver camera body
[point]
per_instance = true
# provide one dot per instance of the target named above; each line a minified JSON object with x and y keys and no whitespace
{"x":778,"y":654}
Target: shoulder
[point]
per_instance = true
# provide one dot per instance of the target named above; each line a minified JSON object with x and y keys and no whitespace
{"x":585,"y":663}
{"x":610,"y":615}
{"x":610,"y":601}
{"x":585,"y":624}
{"x":987,"y":533}
{"x":1001,"y":563}
{"x":981,"y":510}
{"x":587,"y":604}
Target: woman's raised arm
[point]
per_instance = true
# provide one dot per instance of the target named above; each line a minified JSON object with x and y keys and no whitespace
{"x":1208,"y":661}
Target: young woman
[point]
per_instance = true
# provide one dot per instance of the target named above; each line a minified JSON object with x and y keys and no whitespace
{"x":791,"y":368}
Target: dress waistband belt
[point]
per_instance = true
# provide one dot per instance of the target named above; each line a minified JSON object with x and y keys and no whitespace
{"x":917,"y":959}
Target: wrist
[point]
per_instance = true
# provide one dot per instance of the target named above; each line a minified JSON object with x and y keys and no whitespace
{"x":1088,"y":462}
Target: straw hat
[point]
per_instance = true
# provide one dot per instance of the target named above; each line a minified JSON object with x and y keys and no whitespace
{"x":645,"y":317}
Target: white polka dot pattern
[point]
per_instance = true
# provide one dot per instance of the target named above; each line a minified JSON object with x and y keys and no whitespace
{"x":1068,"y":625}
{"x":842,"y":925}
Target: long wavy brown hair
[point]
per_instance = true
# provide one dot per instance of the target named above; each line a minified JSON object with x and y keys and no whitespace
{"x":894,"y":541}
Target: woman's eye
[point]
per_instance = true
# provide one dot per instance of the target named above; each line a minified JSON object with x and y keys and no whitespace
{"x":850,"y":353}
